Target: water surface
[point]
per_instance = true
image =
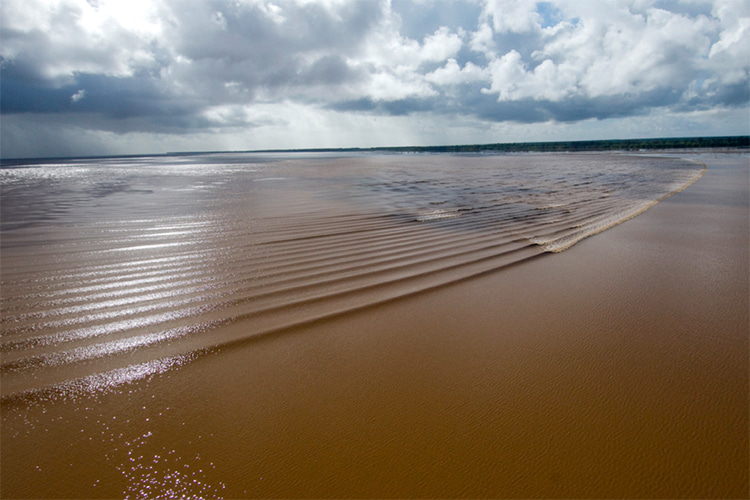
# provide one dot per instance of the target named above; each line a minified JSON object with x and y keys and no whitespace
{"x":229,"y":326}
{"x":112,"y":269}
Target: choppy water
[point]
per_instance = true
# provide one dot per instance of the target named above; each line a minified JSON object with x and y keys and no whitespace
{"x":120,"y":268}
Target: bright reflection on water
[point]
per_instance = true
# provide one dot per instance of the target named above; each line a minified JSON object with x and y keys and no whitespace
{"x":238,"y":325}
{"x":109,"y":259}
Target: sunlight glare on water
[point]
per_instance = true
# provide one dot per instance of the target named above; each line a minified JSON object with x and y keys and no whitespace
{"x":238,"y":325}
{"x":109,"y":259}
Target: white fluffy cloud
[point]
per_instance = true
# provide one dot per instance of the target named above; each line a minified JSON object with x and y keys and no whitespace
{"x":517,"y":16}
{"x":452,"y":74}
{"x":625,"y":53}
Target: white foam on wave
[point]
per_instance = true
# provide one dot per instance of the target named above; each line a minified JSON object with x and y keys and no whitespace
{"x":597,"y":225}
{"x":437,"y":214}
{"x":344,"y":239}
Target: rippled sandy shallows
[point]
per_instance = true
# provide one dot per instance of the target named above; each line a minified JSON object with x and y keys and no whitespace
{"x":375,"y":326}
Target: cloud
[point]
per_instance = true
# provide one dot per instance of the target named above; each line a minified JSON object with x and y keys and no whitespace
{"x":181,"y":67}
{"x":78,"y":96}
{"x":516,"y":16}
{"x":632,"y":54}
{"x":452,"y":74}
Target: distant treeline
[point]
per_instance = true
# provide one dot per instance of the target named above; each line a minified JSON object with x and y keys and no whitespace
{"x":610,"y":145}
{"x":741,"y":141}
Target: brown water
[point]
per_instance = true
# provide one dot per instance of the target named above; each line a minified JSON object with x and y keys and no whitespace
{"x":233,"y":326}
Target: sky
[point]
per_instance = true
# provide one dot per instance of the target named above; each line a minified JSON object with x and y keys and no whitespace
{"x":108,"y":77}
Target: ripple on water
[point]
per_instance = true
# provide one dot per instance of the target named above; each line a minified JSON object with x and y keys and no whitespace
{"x":117,"y":270}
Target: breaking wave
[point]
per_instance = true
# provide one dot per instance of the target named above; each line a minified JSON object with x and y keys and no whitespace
{"x":114,"y":269}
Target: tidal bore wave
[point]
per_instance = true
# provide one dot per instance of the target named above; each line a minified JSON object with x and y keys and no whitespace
{"x":118,"y":269}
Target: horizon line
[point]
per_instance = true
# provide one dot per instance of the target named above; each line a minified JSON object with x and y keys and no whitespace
{"x":685,"y":142}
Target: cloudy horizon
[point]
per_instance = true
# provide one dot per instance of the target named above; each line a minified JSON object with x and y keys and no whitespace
{"x":102,"y":77}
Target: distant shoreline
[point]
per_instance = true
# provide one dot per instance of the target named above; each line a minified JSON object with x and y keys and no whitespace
{"x":730,"y":142}
{"x":733,"y":142}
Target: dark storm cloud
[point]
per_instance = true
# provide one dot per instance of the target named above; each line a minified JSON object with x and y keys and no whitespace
{"x":734,"y":95}
{"x":364,"y":104}
{"x":605,"y":107}
{"x":400,"y":107}
{"x":328,"y":70}
{"x":486,"y":107}
{"x":117,"y":97}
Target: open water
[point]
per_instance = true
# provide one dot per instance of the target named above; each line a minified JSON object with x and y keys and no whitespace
{"x":375,"y":326}
{"x":115,"y":269}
